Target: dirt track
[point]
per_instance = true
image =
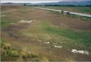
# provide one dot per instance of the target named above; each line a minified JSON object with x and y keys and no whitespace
{"x":80,"y":14}
{"x":74,"y":23}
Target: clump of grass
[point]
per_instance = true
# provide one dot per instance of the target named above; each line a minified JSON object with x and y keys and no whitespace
{"x":13,"y":53}
{"x":8,"y":50}
{"x":24,"y":54}
{"x":5,"y":45}
{"x":21,"y":55}
{"x":27,"y":54}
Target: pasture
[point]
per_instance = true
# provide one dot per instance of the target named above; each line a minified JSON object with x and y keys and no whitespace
{"x":50,"y":36}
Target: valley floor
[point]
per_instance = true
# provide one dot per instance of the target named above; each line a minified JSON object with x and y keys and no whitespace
{"x":55,"y":36}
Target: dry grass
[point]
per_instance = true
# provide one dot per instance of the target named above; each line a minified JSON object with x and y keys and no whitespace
{"x":46,"y":28}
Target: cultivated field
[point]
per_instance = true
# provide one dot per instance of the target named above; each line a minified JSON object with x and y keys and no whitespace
{"x":30,"y":34}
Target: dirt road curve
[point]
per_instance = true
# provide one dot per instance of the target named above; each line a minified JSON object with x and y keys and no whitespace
{"x":80,"y":14}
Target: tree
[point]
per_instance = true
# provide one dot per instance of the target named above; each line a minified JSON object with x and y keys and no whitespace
{"x":24,"y":4}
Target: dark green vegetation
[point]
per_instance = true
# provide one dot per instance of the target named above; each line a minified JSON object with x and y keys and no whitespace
{"x":36,"y":40}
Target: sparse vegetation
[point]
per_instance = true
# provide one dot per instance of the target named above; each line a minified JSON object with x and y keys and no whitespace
{"x":49,"y":37}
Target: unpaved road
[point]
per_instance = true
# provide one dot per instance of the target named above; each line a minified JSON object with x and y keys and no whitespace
{"x":80,"y":14}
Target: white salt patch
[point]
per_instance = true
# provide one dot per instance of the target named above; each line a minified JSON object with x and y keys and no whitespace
{"x":47,"y":42}
{"x":74,"y":51}
{"x":80,"y":51}
{"x":25,"y":21}
{"x":57,"y":46}
{"x":28,"y":21}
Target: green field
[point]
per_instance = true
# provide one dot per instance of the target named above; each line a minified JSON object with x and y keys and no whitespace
{"x":30,"y":34}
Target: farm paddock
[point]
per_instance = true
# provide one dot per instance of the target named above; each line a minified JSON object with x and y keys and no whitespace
{"x":52,"y":37}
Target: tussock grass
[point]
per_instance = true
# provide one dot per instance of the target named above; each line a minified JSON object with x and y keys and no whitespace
{"x":5,"y":45}
{"x":21,"y":55}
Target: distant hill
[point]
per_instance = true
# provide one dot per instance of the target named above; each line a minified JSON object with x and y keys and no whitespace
{"x":65,"y":2}
{"x":10,"y":3}
{"x":72,"y":2}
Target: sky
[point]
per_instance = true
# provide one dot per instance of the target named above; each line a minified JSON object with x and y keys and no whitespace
{"x":35,"y":1}
{"x":29,"y":1}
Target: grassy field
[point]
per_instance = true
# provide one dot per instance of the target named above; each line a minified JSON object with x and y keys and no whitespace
{"x":85,"y":10}
{"x":48,"y":36}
